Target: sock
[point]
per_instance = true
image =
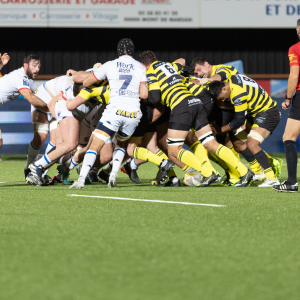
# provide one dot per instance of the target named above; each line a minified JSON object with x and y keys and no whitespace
{"x":50,"y":146}
{"x":65,"y":158}
{"x":43,"y":161}
{"x":201,"y":153}
{"x":236,"y":154}
{"x":190,"y":159}
{"x":118,"y":157}
{"x":262,"y":158}
{"x":291,"y":160}
{"x":163,"y":155}
{"x":88,"y":162}
{"x":231,"y":160}
{"x":32,"y":154}
{"x":71,"y":164}
{"x":107,"y":169}
{"x":254,"y":165}
{"x":185,"y":168}
{"x":133,"y":165}
{"x":144,"y":154}
{"x":270,"y":158}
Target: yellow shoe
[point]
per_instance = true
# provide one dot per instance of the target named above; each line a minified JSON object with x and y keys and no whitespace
{"x":276,"y":166}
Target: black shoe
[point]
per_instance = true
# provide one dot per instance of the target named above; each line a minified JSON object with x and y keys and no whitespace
{"x":286,"y":187}
{"x":47,"y":179}
{"x":26,"y":172}
{"x":245,"y":180}
{"x":102,"y":175}
{"x":164,"y":168}
{"x":209,"y":180}
{"x":170,"y":183}
{"x":131,"y":173}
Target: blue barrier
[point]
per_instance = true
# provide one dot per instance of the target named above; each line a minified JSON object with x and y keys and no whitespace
{"x":15,"y":123}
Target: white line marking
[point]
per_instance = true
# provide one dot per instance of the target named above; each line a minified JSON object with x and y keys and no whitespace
{"x":2,"y":182}
{"x":145,"y":200}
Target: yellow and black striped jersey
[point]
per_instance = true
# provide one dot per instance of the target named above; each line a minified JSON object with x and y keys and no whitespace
{"x":99,"y":92}
{"x":194,"y":88}
{"x":224,"y":71}
{"x":164,"y":77}
{"x":246,"y":94}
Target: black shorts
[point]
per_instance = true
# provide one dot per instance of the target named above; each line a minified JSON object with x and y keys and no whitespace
{"x":221,"y":116}
{"x":208,"y":103}
{"x":165,"y":117}
{"x":144,"y":125}
{"x":188,"y":114}
{"x":268,"y":120}
{"x":295,"y":110}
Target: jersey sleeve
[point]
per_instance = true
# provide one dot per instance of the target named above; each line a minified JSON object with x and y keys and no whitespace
{"x":144,"y":77}
{"x":294,"y":56}
{"x":100,"y":73}
{"x":239,"y":100}
{"x":32,"y":85}
{"x":154,"y":89}
{"x":23,"y":83}
{"x":178,"y":67}
{"x":223,"y":72}
{"x":86,"y":93}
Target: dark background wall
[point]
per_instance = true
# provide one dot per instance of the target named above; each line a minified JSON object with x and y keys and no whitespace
{"x":263,"y":51}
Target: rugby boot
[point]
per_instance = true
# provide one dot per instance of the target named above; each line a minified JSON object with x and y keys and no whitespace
{"x":102,"y":175}
{"x":259,"y":177}
{"x":173,"y":181}
{"x":164,"y":169}
{"x":245,"y":180}
{"x":35,"y":177}
{"x":112,"y":182}
{"x":64,"y":175}
{"x":268,"y":182}
{"x":286,"y":187}
{"x":47,"y":179}
{"x":192,"y":178}
{"x":276,"y":166}
{"x":79,"y":184}
{"x":131,"y":173}
{"x":87,"y":179}
{"x":209,"y":180}
{"x":92,"y":176}
{"x":26,"y":172}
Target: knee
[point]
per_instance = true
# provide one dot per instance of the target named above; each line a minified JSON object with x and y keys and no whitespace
{"x":38,"y":140}
{"x":106,"y":158}
{"x":252,"y":145}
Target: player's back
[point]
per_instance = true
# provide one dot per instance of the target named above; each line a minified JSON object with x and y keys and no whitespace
{"x":225,"y":71}
{"x":124,"y":75}
{"x":172,"y":88}
{"x":59,"y":84}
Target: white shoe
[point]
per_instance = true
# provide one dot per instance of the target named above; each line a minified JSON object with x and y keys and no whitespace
{"x":259,"y":177}
{"x":79,"y":184}
{"x":268,"y":182}
{"x":112,"y":182}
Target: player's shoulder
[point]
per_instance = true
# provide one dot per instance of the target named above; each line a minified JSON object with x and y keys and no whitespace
{"x":236,"y":81}
{"x":295,"y":48}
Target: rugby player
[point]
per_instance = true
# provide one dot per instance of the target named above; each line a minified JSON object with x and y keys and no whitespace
{"x":187,"y":111}
{"x":20,"y":82}
{"x":249,"y":98}
{"x":292,"y":128}
{"x":128,"y":83}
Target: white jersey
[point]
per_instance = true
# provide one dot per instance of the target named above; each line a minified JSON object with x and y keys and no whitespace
{"x":58,"y":84}
{"x":12,"y":83}
{"x":124,"y":75}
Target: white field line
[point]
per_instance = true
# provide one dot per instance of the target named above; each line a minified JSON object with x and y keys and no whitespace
{"x":145,"y":200}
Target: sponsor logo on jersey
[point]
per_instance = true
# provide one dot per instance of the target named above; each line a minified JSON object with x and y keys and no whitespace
{"x":238,"y":79}
{"x":194,"y":101}
{"x":291,"y":57}
{"x":174,"y":79}
{"x":126,"y":114}
{"x":125,"y":66}
{"x":25,"y":82}
{"x":219,"y":69}
{"x":259,"y":120}
{"x":128,"y":93}
{"x":237,"y":102}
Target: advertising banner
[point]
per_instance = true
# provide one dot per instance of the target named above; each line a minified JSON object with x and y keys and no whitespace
{"x":100,"y":13}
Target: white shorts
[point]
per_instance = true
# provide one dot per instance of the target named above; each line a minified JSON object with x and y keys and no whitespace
{"x":62,"y":112}
{"x":121,"y":119}
{"x":88,"y":125}
{"x":43,"y":95}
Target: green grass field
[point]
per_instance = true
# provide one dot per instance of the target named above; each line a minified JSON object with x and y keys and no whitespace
{"x":54,"y":246}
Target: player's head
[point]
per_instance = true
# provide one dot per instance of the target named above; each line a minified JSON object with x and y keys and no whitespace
{"x":201,"y":67}
{"x":220,"y":91}
{"x":77,"y":87}
{"x":147,"y":58}
{"x":32,"y":65}
{"x":298,"y":29}
{"x":125,"y":47}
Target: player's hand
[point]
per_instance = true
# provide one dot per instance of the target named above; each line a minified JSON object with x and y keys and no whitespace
{"x":97,"y":65}
{"x":1,"y":142}
{"x":203,"y":81}
{"x":286,"y":104}
{"x":71,"y":72}
{"x":4,"y":58}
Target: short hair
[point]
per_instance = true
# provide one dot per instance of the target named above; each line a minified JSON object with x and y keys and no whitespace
{"x":147,"y":58}
{"x":298,"y":23}
{"x":215,"y":88}
{"x":77,"y":88}
{"x":30,"y":57}
{"x":197,"y":61}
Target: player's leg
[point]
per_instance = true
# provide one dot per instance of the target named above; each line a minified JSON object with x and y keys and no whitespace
{"x":291,"y":133}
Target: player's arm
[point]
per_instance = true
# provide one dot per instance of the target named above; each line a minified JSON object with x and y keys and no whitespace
{"x":4,"y":60}
{"x":34,"y":100}
{"x":80,"y":76}
{"x":75,"y":102}
{"x":51,"y":104}
{"x":180,"y":61}
{"x":292,"y":84}
{"x":143,"y":92}
{"x":158,"y":111}
{"x":98,"y":75}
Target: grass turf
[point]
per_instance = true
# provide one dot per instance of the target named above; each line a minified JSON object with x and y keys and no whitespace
{"x":54,"y":246}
